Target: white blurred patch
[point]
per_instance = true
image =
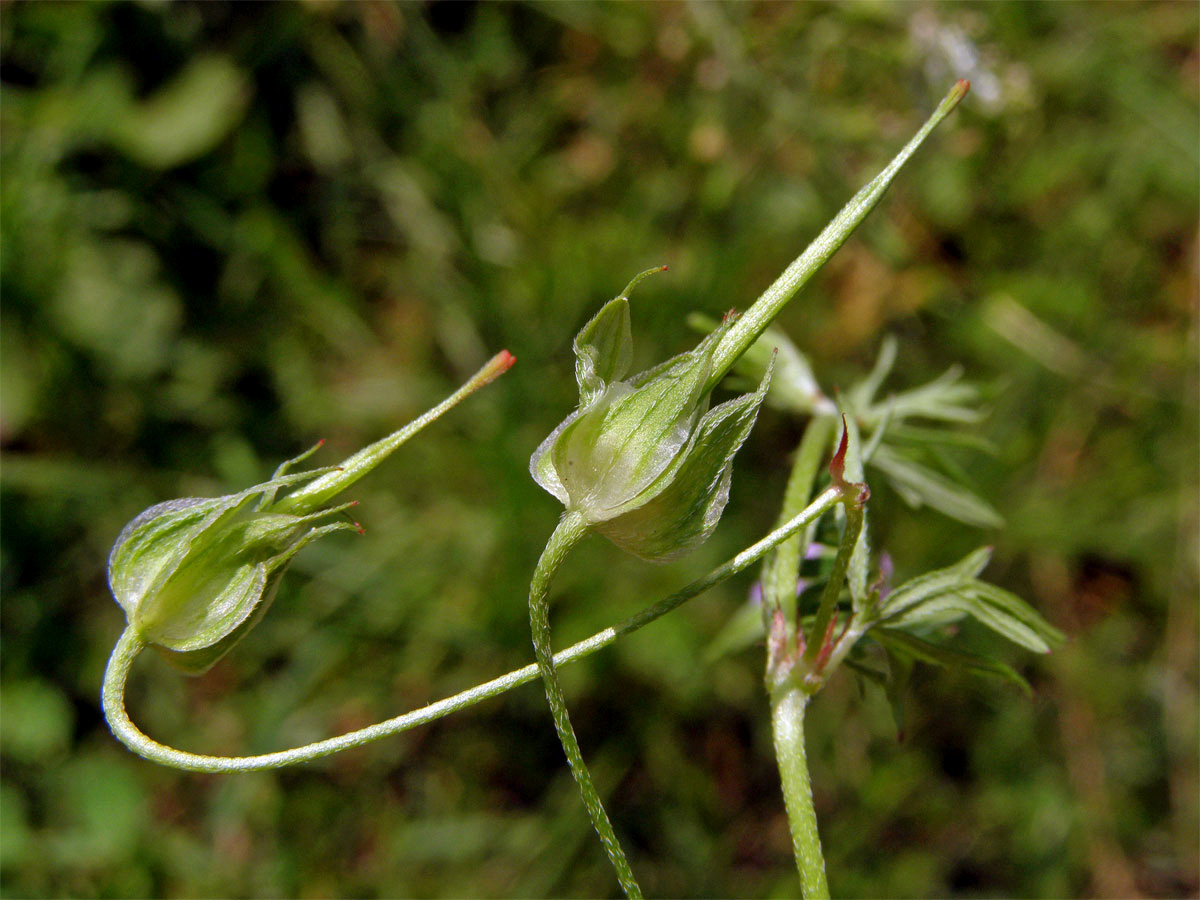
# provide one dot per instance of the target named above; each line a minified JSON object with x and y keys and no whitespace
{"x":950,"y":54}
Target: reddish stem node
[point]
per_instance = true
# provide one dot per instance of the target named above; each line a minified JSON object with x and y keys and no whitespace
{"x":778,"y":637}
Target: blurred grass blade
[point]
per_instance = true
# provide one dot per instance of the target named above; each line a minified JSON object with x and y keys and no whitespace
{"x":187,"y":118}
{"x":744,"y":628}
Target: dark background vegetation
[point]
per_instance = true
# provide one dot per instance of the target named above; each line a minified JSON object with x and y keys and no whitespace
{"x":232,"y":229}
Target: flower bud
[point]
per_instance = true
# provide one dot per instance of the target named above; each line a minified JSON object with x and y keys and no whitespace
{"x":644,"y":461}
{"x":194,"y":575}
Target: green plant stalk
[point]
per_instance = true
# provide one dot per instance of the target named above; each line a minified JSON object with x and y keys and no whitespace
{"x":787,"y":724}
{"x":781,"y":571}
{"x":789,"y":687}
{"x":130,"y":645}
{"x":756,"y":319}
{"x":570,"y":530}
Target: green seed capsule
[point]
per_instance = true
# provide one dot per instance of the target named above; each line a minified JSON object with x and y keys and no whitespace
{"x":194,"y":575}
{"x":644,"y":460}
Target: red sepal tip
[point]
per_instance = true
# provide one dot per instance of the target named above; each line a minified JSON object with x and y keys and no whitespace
{"x":837,"y":465}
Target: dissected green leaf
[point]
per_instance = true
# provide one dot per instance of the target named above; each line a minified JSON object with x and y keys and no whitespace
{"x":943,"y":596}
{"x":862,"y":395}
{"x":1003,"y":613}
{"x":901,"y":644}
{"x":920,"y":485}
{"x":958,"y":605}
{"x":945,"y":399}
{"x":1018,"y":610}
{"x":916,"y":590}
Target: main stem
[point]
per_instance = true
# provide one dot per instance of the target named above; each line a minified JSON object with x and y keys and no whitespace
{"x":781,"y":571}
{"x":787,"y":723}
{"x":568,"y":533}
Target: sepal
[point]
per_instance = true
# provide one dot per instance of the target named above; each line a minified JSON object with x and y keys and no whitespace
{"x":603,"y":350}
{"x":685,"y":513}
{"x":192,"y":574}
{"x":643,"y":460}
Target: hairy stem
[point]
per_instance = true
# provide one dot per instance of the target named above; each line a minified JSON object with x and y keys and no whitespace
{"x":787,"y":723}
{"x":130,"y":645}
{"x":781,"y":571}
{"x":571,"y":528}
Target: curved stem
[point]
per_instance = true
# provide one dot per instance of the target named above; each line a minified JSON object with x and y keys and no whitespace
{"x":130,"y":645}
{"x":787,"y":723}
{"x":571,"y":528}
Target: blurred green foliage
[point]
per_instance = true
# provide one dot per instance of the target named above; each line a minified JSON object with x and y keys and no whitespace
{"x":229,"y":230}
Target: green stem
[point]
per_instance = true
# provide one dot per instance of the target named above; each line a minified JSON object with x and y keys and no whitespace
{"x":756,"y":319}
{"x":787,"y":722}
{"x":355,"y":467}
{"x":130,"y":645}
{"x":782,"y":568}
{"x":571,"y":528}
